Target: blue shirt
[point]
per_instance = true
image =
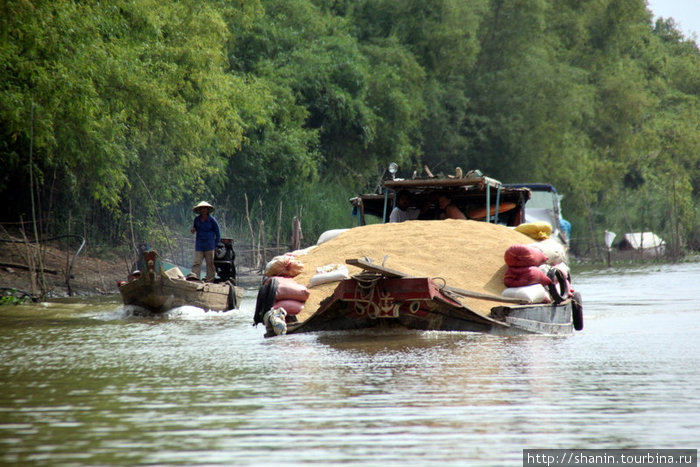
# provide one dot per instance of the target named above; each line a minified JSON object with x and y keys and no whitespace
{"x":208,"y":234}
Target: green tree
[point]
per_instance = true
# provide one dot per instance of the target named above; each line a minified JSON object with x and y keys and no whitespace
{"x":105,"y":97}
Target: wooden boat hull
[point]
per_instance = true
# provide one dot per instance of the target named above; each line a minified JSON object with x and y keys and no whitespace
{"x":418,"y":303}
{"x":166,"y":294}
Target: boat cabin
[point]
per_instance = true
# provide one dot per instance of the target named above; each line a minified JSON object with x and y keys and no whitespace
{"x":478,"y":197}
{"x":544,"y":205}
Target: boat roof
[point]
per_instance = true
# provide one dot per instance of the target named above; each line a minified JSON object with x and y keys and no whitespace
{"x":534,"y":186}
{"x":468,"y":193}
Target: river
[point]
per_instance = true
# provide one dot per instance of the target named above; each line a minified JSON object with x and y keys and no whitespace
{"x":87,"y":383}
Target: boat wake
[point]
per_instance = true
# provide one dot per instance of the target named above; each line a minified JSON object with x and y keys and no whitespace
{"x":185,"y":312}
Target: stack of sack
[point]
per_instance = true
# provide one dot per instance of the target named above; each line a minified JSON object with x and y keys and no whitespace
{"x":530,"y":276}
{"x":524,"y":278}
{"x":524,"y":267}
{"x":290,"y":296}
{"x":556,"y":260}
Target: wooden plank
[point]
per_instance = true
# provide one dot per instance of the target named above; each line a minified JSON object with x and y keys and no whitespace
{"x":441,"y":182}
{"x":392,"y":273}
{"x":367,"y":266}
{"x":433,"y":182}
{"x":22,"y":266}
{"x":497,"y":298}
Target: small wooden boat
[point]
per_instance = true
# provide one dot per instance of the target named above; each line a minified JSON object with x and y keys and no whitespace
{"x":423,"y":295}
{"x":159,"y":288}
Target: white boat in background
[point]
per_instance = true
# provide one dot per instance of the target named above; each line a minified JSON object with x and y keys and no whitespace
{"x":646,"y":243}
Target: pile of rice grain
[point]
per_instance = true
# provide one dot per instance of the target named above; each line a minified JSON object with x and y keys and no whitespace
{"x":466,"y":254}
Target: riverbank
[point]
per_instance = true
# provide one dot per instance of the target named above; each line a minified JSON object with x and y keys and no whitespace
{"x":93,"y":275}
{"x":89,"y":275}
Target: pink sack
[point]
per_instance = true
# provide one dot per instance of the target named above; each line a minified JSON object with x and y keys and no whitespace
{"x":524,"y":255}
{"x":289,"y":289}
{"x":527,"y":275}
{"x":292,"y":307}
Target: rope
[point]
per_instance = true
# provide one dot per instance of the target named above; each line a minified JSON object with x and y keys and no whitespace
{"x":444,"y":282}
{"x":364,"y":292}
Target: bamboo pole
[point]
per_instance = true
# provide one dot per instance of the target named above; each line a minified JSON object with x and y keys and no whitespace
{"x":590,"y":223}
{"x":70,"y":218}
{"x":675,"y":225}
{"x":131,"y":226}
{"x":262,"y":254}
{"x":250,"y":227}
{"x":36,"y":274}
{"x":31,"y":265}
{"x":296,"y":234}
{"x":279,"y":225}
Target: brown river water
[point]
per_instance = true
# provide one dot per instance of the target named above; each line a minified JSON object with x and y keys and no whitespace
{"x":88,"y":383}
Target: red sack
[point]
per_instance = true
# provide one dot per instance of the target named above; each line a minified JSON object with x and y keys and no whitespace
{"x":524,"y":255}
{"x":292,"y":307}
{"x":527,"y":275}
{"x":289,"y":289}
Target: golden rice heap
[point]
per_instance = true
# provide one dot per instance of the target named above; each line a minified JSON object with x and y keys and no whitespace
{"x":466,"y":254}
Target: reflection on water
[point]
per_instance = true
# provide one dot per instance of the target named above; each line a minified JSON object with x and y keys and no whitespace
{"x":90,"y":382}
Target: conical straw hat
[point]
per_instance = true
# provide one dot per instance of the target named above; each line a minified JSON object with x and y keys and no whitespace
{"x":203,"y":204}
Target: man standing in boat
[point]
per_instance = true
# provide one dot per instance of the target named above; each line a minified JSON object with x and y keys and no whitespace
{"x":208,"y":237}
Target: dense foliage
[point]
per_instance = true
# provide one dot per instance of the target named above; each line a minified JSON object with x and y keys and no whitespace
{"x":115,"y":117}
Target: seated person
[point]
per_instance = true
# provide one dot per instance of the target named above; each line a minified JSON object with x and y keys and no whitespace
{"x":402,"y":212}
{"x":449,"y":210}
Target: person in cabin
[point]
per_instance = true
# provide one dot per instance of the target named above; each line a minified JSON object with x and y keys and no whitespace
{"x":401,"y":211}
{"x":449,"y":210}
{"x":208,"y":237}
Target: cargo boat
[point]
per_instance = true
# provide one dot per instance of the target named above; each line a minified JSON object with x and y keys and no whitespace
{"x":375,"y":296}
